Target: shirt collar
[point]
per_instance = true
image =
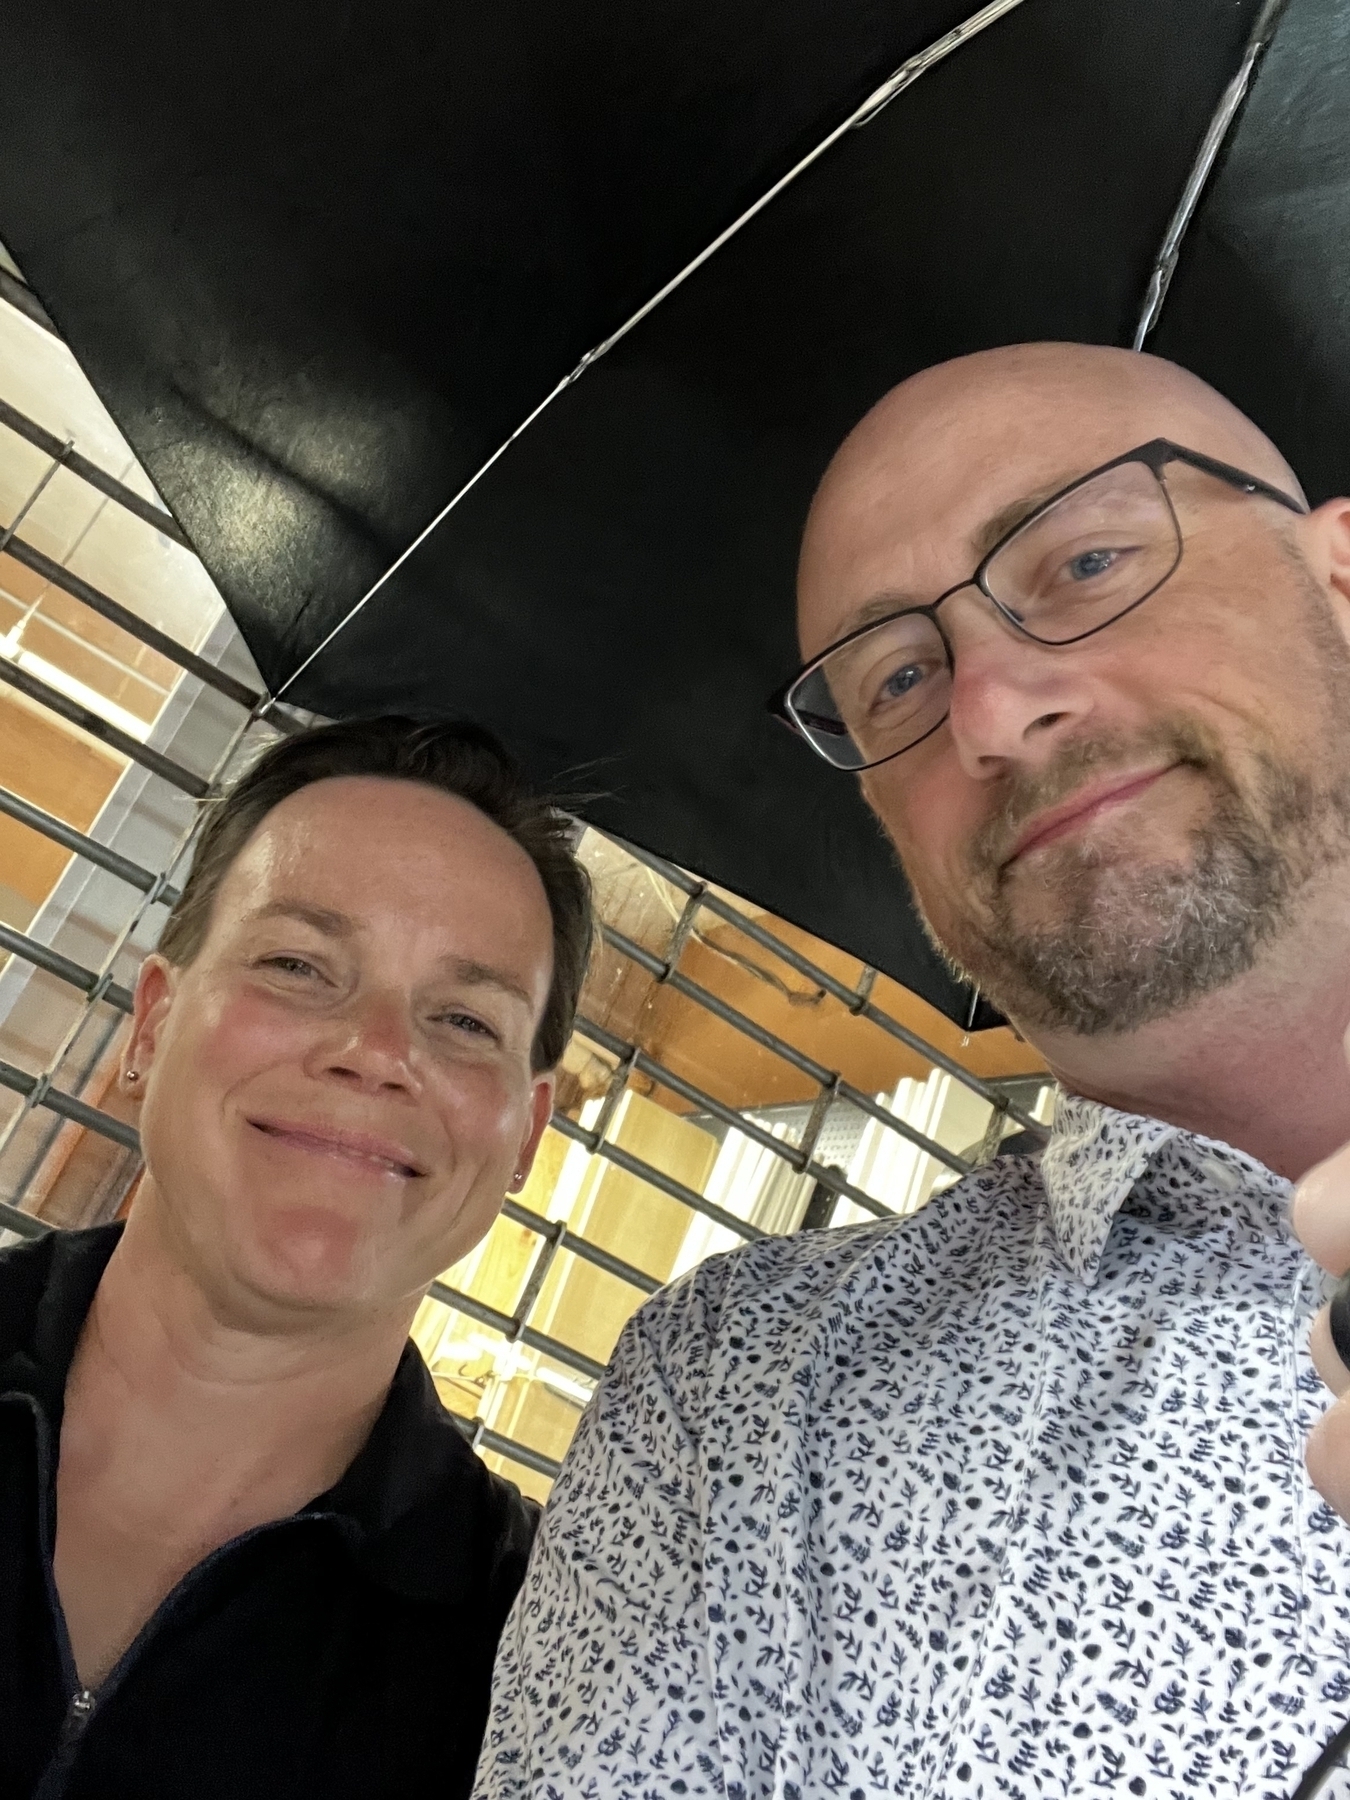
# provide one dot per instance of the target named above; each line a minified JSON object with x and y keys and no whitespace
{"x":1096,"y":1157}
{"x":391,"y":1504}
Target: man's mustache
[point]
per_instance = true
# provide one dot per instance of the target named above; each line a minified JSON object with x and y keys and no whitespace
{"x":1028,"y":794}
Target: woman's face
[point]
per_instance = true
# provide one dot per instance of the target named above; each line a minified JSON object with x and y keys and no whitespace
{"x":337,"y":1089}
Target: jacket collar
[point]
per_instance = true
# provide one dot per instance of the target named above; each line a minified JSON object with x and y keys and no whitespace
{"x":392,"y":1503}
{"x":46,"y":1288}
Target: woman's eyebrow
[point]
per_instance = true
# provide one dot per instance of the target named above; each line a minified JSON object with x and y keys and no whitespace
{"x":339,"y":925}
{"x":480,"y":974}
{"x":322,"y":918}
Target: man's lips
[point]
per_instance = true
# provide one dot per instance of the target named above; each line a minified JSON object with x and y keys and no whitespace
{"x":1097,"y":797}
{"x":379,"y":1155}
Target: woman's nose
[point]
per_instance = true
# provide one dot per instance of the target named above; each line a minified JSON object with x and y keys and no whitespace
{"x":373,"y":1045}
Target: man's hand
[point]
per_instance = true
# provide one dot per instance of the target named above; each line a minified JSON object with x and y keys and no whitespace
{"x":1321,"y":1217}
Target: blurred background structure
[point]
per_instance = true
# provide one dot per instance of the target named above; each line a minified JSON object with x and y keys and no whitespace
{"x":730,"y":1075}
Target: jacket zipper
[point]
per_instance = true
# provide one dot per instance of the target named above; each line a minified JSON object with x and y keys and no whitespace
{"x":83,"y":1703}
{"x":55,"y":1776}
{"x":53,"y":1781}
{"x":80,"y":1706}
{"x":77,"y":1717}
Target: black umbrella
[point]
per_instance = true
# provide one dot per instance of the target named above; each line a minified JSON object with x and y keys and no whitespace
{"x":323,"y":262}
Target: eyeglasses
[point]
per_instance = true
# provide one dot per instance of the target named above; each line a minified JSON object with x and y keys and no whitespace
{"x":1077,"y":563}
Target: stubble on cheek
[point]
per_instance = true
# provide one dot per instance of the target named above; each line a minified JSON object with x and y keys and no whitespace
{"x":1104,"y":943}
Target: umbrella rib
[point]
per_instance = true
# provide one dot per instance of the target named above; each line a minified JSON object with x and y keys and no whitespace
{"x":904,"y":77}
{"x":1225,"y":115}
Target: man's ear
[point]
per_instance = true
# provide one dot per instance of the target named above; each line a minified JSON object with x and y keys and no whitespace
{"x":155,"y":989}
{"x":541,"y":1111}
{"x":1327,"y":530}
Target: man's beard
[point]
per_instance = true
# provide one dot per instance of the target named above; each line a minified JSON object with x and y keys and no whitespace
{"x":1132,"y":943}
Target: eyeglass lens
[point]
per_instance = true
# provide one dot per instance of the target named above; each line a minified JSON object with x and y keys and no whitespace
{"x":1090,"y":557}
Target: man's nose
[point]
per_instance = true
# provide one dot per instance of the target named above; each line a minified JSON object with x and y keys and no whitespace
{"x":370,"y":1045}
{"x":1013,"y":699}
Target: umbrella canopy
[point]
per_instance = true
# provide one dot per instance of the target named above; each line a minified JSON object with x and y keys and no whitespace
{"x":322,"y":263}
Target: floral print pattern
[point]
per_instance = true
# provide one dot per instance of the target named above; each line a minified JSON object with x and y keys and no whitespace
{"x":1005,"y":1499}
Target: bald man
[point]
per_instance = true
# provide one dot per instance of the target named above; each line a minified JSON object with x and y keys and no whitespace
{"x":1008,"y":1498}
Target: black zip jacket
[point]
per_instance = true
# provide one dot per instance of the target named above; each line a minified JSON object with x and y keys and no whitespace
{"x":346,"y":1651}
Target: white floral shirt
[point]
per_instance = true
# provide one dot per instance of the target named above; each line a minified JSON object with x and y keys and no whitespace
{"x":1004,"y":1499}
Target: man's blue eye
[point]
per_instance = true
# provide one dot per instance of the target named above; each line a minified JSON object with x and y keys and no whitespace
{"x":902,"y":681}
{"x":1090,"y":563}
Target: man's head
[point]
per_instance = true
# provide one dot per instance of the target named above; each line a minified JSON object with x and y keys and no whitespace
{"x":346,"y":1039}
{"x":1101,"y":831}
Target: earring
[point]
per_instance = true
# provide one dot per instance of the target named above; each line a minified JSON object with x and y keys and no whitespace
{"x":517,"y":1182}
{"x":131,"y":1077}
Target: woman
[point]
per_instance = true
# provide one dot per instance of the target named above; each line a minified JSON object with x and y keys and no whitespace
{"x":243,"y":1550}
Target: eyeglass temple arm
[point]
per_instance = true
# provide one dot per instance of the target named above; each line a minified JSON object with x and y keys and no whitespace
{"x":1239,"y":478}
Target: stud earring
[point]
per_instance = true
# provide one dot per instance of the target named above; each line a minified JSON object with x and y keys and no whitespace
{"x":132,"y":1077}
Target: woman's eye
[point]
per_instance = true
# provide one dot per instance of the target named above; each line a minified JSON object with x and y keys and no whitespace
{"x":468,"y":1023}
{"x":289,"y":965}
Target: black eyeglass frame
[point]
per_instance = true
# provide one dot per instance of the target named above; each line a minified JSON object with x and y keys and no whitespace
{"x":1155,"y":456}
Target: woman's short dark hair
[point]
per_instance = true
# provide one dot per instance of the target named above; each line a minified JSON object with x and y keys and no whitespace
{"x":460,"y":759}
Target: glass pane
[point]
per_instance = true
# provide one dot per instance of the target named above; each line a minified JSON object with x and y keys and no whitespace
{"x":626,"y":1215}
{"x":101,"y":675}
{"x":64,"y":1172}
{"x":497,"y":1269}
{"x":617,"y":994}
{"x":584,"y":1075}
{"x":62,"y":513}
{"x":779,"y":999}
{"x":749,"y":1181}
{"x":463,"y":1356}
{"x":57,"y":768}
{"x":31,"y":866}
{"x":896,"y":1171}
{"x":682,"y":1035}
{"x":22,"y":467}
{"x":520,"y":1393}
{"x":123,"y":555}
{"x":629,"y":896}
{"x":75,"y":650}
{"x":538,"y":1404}
{"x":149,"y":574}
{"x":90,"y":627}
{"x":584,"y":1307}
{"x":40,"y":377}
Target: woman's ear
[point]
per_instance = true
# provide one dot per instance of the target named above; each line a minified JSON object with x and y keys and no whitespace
{"x":541,"y":1111}
{"x":155,"y":989}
